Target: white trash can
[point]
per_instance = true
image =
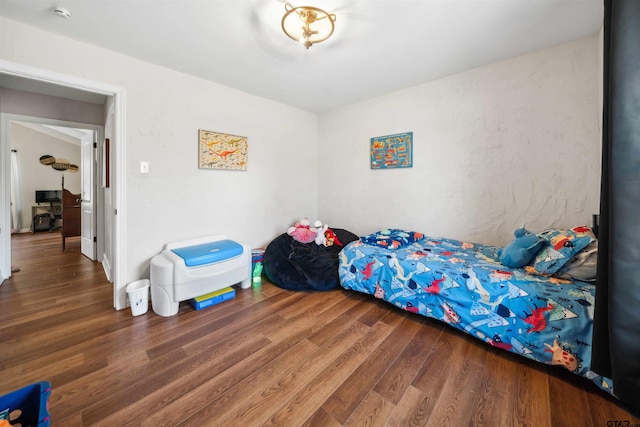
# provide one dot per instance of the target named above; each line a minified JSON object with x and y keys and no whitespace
{"x":138,"y":293}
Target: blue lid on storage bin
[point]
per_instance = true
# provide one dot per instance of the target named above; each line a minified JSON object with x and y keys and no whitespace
{"x":208,"y":253}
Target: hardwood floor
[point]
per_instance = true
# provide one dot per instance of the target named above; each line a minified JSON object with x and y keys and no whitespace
{"x":267,"y":357}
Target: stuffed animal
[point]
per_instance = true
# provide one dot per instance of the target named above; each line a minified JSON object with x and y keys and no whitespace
{"x":332,"y":238}
{"x":519,"y":252}
{"x":321,"y":238}
{"x":302,"y":231}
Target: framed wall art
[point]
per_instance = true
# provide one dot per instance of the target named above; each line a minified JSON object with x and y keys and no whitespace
{"x":392,"y":151}
{"x":218,"y":150}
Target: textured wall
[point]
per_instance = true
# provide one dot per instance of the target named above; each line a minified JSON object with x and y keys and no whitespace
{"x":164,"y":110}
{"x":510,"y":143}
{"x":515,"y":142}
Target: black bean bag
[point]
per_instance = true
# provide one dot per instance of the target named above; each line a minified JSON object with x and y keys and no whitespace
{"x":297,"y":266}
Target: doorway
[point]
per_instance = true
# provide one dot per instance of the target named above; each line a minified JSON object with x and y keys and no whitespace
{"x":49,"y":157}
{"x":113,"y":212}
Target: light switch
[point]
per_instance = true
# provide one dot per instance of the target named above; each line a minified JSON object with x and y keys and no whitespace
{"x":144,"y":167}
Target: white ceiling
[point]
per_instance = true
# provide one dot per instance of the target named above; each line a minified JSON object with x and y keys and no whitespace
{"x":378,"y":46}
{"x":66,"y":134}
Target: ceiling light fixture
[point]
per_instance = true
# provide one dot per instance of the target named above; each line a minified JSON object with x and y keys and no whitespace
{"x":307,"y":24}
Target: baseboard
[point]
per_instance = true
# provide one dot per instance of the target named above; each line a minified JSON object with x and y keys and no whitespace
{"x":106,"y":266}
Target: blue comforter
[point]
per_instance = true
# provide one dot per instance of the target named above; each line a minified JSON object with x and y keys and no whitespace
{"x":463,"y":284}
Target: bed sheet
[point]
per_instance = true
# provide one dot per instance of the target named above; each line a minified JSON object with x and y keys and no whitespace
{"x":463,"y":284}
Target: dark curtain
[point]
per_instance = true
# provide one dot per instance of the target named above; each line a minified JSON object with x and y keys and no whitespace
{"x":616,"y":349}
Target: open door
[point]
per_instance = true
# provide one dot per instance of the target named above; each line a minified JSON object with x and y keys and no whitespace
{"x":115,"y":213}
{"x":87,"y":169}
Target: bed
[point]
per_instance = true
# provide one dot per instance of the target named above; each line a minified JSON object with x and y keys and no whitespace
{"x":535,"y":314}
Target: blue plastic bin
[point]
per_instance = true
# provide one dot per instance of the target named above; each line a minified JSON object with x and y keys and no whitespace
{"x":32,"y":402}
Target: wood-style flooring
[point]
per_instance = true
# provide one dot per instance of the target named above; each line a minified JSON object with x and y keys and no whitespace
{"x":268,"y":357}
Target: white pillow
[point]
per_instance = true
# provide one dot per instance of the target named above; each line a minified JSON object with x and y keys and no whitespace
{"x":583,"y":265}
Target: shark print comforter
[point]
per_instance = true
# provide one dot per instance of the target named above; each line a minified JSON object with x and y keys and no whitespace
{"x":463,"y":284}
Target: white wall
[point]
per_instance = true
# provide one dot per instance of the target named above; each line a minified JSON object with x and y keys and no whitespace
{"x":30,"y":145}
{"x":510,"y":143}
{"x":515,"y":142}
{"x":49,"y":107}
{"x":164,"y":111}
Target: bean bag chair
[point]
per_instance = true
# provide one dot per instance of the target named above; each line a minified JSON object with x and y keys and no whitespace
{"x":297,"y":266}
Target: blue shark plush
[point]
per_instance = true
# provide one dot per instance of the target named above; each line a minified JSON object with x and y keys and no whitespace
{"x":519,"y":252}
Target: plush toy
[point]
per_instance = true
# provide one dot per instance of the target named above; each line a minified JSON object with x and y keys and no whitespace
{"x":302,"y":231}
{"x":331,"y":238}
{"x":519,"y":252}
{"x":326,"y":237}
{"x":321,"y":238}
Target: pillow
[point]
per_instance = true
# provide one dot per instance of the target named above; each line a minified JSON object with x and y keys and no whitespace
{"x":392,"y":238}
{"x":583,"y":265}
{"x":560,"y":246}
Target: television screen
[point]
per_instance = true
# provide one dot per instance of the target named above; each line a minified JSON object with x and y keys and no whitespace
{"x":47,"y":196}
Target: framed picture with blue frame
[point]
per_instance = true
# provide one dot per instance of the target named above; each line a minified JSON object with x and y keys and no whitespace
{"x":392,"y":151}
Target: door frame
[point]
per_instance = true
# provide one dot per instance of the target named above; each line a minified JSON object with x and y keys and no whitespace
{"x":116,"y":271}
{"x":97,"y":134}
